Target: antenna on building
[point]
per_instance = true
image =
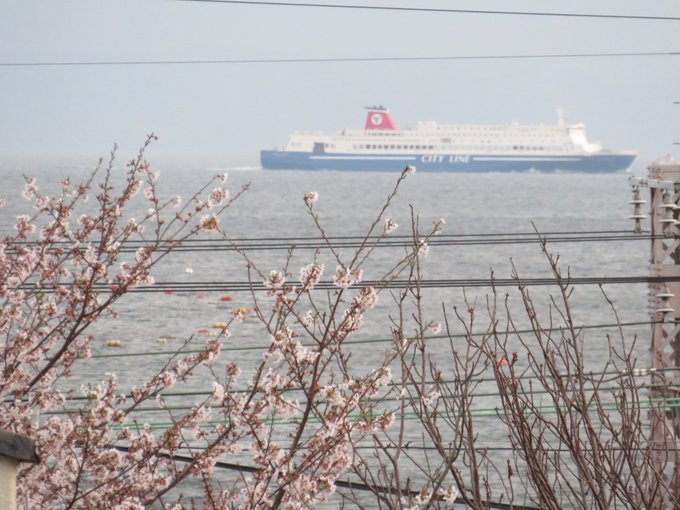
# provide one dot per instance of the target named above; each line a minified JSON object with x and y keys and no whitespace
{"x":560,"y":116}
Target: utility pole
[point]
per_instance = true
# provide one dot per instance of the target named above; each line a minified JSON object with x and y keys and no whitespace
{"x":664,"y":300}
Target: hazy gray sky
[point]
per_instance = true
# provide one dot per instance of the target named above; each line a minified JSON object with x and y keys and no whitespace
{"x":228,"y":112}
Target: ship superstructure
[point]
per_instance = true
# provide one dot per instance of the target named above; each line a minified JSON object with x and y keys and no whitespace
{"x":442,"y":147}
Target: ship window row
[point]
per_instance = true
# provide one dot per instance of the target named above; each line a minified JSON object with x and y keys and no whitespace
{"x":472,"y":131}
{"x":456,"y":147}
{"x":473,"y":128}
{"x":505,"y":142}
{"x":526,"y":148}
{"x":394,"y":147}
{"x":523,"y":129}
{"x":461,"y":137}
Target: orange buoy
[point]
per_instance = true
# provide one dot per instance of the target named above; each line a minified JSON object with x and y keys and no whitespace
{"x":204,"y":330}
{"x":199,"y":296}
{"x":115,"y":343}
{"x":167,"y":292}
{"x":241,"y":310}
{"x":226,"y":298}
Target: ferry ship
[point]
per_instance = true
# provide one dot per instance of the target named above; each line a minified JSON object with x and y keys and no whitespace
{"x":448,"y":148}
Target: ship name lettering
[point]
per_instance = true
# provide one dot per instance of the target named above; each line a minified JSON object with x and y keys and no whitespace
{"x":432,"y":158}
{"x":459,"y":158}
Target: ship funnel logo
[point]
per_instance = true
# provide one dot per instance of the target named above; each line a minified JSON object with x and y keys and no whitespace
{"x":379,"y":118}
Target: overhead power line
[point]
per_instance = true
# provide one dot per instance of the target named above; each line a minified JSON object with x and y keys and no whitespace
{"x":363,"y":341}
{"x":345,"y":484}
{"x":214,"y":286}
{"x":392,"y":241}
{"x":74,"y":63}
{"x":439,"y":10}
{"x":254,"y":286}
{"x":398,"y":242}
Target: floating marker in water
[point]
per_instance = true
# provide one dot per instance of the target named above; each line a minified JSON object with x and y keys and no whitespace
{"x":115,"y":343}
{"x":226,"y":298}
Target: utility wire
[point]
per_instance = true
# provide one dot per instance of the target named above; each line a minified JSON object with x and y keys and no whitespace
{"x":165,"y":407}
{"x":391,"y":241}
{"x":372,"y":340}
{"x":594,"y":377}
{"x":438,"y":10}
{"x":599,"y":376}
{"x":478,"y":446}
{"x":345,"y":484}
{"x":395,"y":284}
{"x":535,"y":392}
{"x":333,"y":60}
{"x":385,"y":242}
{"x":483,"y":412}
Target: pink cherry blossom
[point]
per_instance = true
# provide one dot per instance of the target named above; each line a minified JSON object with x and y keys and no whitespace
{"x":210,"y":222}
{"x":311,"y":197}
{"x":310,"y":276}
{"x":390,"y":226}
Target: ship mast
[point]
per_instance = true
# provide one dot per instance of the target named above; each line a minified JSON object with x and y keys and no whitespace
{"x":560,"y":116}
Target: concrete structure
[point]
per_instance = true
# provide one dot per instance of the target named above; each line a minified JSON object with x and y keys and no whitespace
{"x":664,"y":300}
{"x":14,"y":449}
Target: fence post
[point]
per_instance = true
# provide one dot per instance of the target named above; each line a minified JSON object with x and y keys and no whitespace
{"x":14,"y":449}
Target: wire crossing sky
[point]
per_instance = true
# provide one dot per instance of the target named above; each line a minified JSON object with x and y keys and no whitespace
{"x":437,"y":10}
{"x":222,"y":80}
{"x":338,"y":60}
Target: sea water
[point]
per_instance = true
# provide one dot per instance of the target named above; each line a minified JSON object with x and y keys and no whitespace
{"x":470,"y":204}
